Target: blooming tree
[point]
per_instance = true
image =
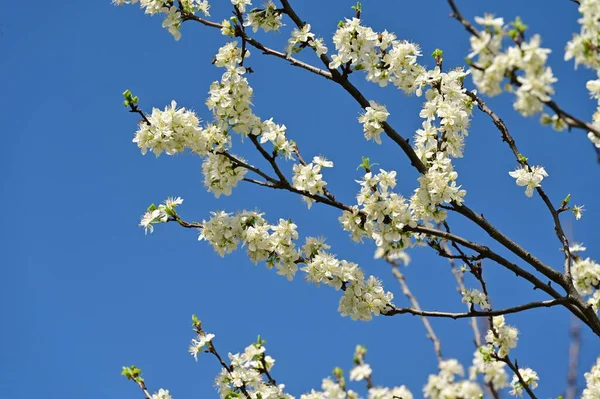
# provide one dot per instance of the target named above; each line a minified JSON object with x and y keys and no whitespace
{"x":505,"y":57}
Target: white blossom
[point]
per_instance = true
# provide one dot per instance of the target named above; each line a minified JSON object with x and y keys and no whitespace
{"x":592,"y":382}
{"x":529,"y":377}
{"x":502,"y":336}
{"x":309,"y":178}
{"x":530,"y":177}
{"x":493,"y":371}
{"x":372,"y":121}
{"x":586,"y":275}
{"x":161,"y":394}
{"x":360,"y":372}
{"x":266,"y":18}
{"x":200,"y":344}
{"x":475,"y":297}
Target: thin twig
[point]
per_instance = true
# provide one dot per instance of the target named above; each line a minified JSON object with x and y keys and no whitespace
{"x":437,"y":346}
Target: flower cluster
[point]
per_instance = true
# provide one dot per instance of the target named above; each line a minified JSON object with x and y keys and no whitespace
{"x":583,"y":48}
{"x":384,"y":58}
{"x":361,"y":370}
{"x":267,"y":18}
{"x":245,"y":373}
{"x":475,"y":297}
{"x":502,"y":336}
{"x":530,"y":177}
{"x":493,"y":371}
{"x":390,"y":393}
{"x":444,"y":385}
{"x":200,"y":344}
{"x":372,"y":121}
{"x":173,"y":15}
{"x":331,"y":389}
{"x":221,"y":174}
{"x":230,"y":101}
{"x":308,"y":178}
{"x":524,"y":63}
{"x":380,"y":215}
{"x":594,"y":88}
{"x":176,"y":129}
{"x":241,"y":4}
{"x":304,"y":37}
{"x":160,"y":214}
{"x":447,"y":113}
{"x":592,"y":382}
{"x":586,"y":275}
{"x":275,"y":244}
{"x":529,"y":377}
{"x":161,"y":394}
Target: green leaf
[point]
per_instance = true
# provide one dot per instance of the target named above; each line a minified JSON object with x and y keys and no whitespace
{"x":522,"y":158}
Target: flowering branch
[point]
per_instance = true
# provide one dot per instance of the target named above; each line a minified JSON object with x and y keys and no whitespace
{"x":569,"y":119}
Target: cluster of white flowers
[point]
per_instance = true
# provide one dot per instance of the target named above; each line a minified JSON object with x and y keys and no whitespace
{"x":160,"y":214}
{"x":241,"y":4}
{"x":447,"y":113}
{"x":502,"y":336}
{"x":200,"y":344}
{"x":594,"y":300}
{"x":308,"y":178}
{"x":161,"y":394}
{"x":230,"y":101}
{"x":275,"y":244}
{"x":525,"y":61}
{"x":302,"y":37}
{"x":384,"y":58}
{"x":592,"y":383}
{"x":444,"y":385}
{"x":267,"y":18}
{"x":586,"y":275}
{"x":246,"y":372}
{"x":493,"y":371}
{"x":361,"y":298}
{"x":475,"y":297}
{"x":530,"y":378}
{"x":361,"y":370}
{"x":530,"y":177}
{"x":594,"y":88}
{"x":372,"y":121}
{"x":364,"y":298}
{"x":390,"y":393}
{"x":380,"y":215}
{"x":176,"y":129}
{"x":221,"y":174}
{"x":584,"y":46}
{"x":173,"y":18}
{"x":331,"y":389}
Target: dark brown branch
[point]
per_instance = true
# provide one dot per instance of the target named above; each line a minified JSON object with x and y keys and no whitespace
{"x":270,"y":158}
{"x":477,"y":313}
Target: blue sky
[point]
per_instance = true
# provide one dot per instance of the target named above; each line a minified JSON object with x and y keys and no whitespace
{"x":84,"y":291}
